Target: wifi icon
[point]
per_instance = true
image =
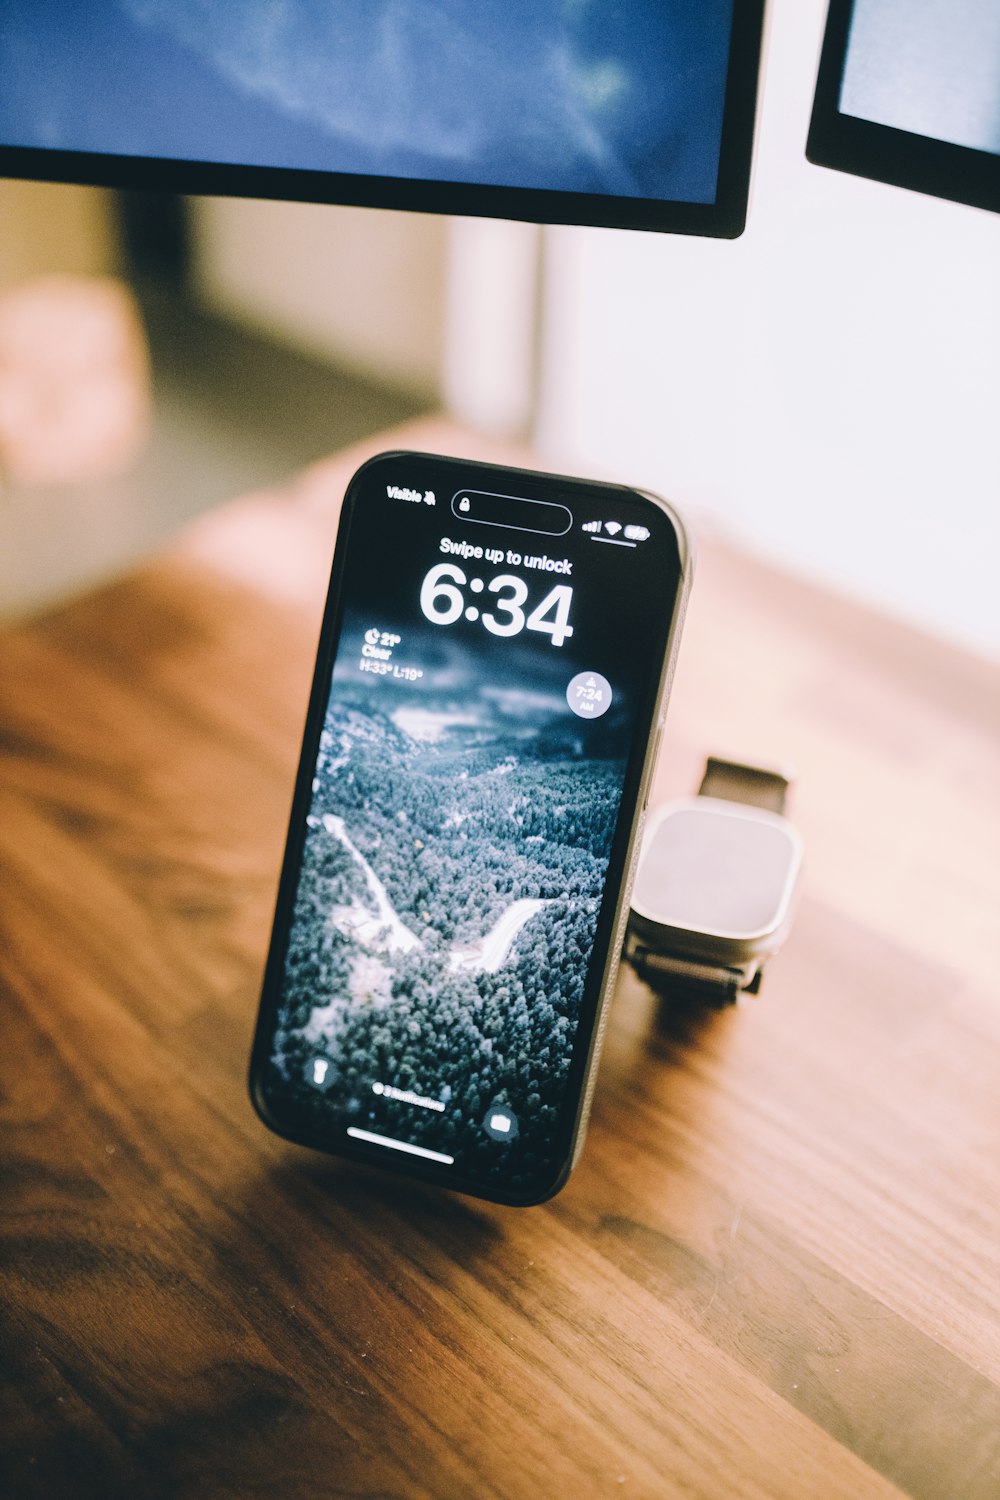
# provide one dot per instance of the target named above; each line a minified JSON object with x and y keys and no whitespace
{"x":612,"y":527}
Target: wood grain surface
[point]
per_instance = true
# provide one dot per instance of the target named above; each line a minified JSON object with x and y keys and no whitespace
{"x":775,"y":1274}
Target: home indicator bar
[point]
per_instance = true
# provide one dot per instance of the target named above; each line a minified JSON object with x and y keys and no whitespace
{"x":385,"y":1140}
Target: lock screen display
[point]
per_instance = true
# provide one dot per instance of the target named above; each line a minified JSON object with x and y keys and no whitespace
{"x":445,"y":911}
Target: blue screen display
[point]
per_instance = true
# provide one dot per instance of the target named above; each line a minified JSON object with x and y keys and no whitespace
{"x":931,"y":67}
{"x":616,"y":97}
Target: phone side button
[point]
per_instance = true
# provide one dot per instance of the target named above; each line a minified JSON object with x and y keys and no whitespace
{"x":654,"y":757}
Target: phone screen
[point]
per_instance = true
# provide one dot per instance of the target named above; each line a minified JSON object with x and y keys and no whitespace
{"x":489,"y":675}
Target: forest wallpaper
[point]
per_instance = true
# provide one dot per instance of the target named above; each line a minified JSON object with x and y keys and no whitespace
{"x":455,"y":855}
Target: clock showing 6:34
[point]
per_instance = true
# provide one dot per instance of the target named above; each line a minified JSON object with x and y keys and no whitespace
{"x":443,"y":602}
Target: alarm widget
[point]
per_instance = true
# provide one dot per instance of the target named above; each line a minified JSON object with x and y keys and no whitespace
{"x":488,"y":706}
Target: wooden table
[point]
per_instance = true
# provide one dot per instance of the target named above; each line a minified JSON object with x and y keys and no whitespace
{"x":776,"y":1271}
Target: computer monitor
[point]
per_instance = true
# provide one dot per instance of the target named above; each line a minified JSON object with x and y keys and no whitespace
{"x":637,"y":114}
{"x":909,"y":93}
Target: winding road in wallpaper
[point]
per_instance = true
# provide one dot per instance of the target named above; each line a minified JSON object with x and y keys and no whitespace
{"x":451,"y":880}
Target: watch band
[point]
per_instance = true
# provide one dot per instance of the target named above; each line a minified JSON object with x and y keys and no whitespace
{"x":683,"y":977}
{"x":733,"y":781}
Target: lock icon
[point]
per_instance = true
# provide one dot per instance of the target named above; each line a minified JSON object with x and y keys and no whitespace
{"x":465,"y":503}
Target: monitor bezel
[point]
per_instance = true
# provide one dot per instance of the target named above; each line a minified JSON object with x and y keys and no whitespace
{"x":725,"y":218}
{"x":863,"y":148}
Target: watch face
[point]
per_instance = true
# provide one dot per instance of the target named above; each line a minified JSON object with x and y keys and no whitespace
{"x":718,"y":874}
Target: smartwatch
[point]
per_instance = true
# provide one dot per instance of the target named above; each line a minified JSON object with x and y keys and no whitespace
{"x":715,"y":885}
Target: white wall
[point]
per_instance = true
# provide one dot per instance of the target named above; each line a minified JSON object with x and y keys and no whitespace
{"x":446,"y":307}
{"x":363,"y":287}
{"x":826,"y":388}
{"x":491,"y":324}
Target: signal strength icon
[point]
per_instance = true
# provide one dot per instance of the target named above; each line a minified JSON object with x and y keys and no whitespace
{"x":612,"y":527}
{"x":591,"y":526}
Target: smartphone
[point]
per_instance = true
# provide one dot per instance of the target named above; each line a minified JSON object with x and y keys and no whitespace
{"x":491,"y":680}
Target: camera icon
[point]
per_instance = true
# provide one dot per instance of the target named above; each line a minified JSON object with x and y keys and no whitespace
{"x":500,"y":1123}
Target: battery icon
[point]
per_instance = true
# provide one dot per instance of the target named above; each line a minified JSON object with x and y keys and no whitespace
{"x":637,"y":533}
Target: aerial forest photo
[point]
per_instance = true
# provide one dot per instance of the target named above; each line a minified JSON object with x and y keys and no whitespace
{"x":455,"y":854}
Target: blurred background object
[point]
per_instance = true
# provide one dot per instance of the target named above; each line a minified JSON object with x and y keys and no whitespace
{"x":247,"y":386}
{"x":821,"y":391}
{"x":74,"y":380}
